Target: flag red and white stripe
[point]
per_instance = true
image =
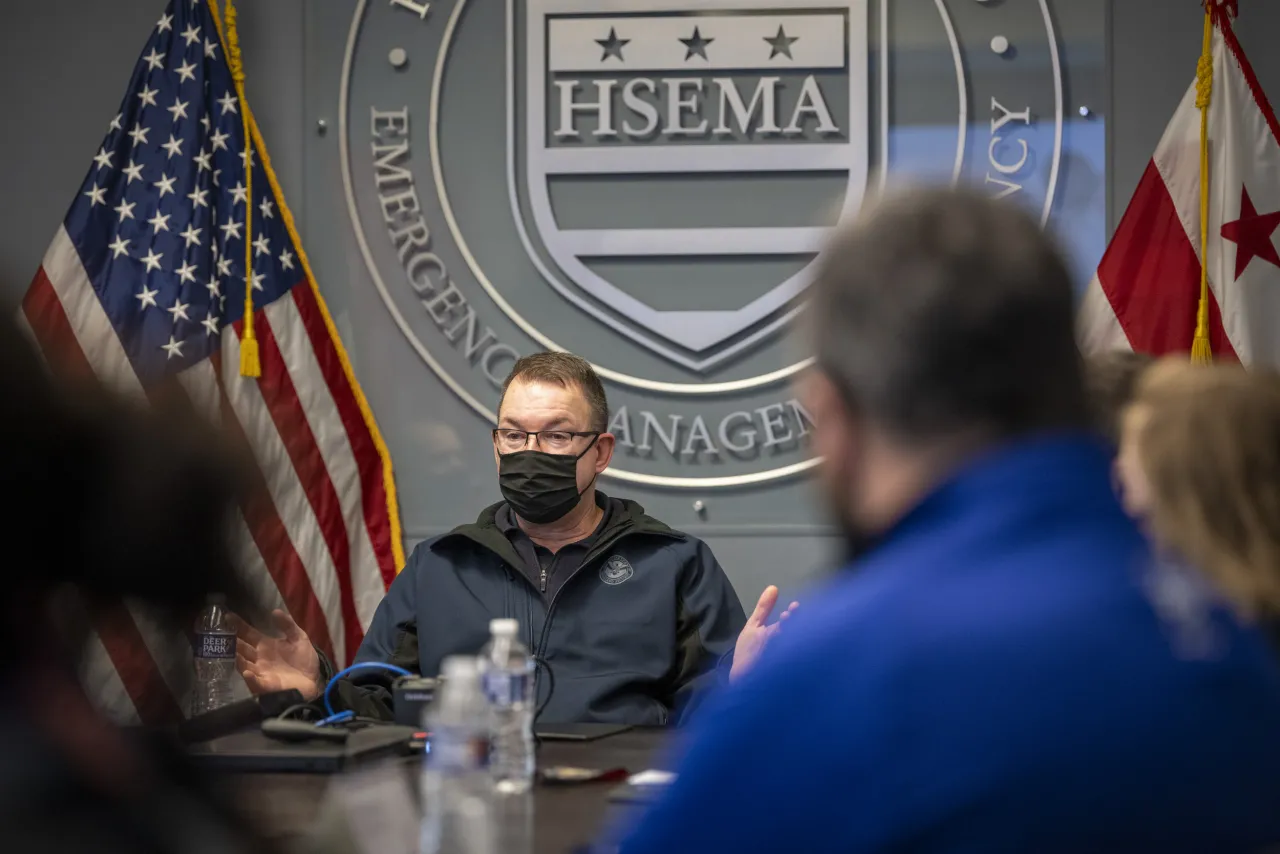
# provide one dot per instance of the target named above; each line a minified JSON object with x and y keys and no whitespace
{"x":320,"y":547}
{"x":321,"y":537}
{"x":1147,"y":289}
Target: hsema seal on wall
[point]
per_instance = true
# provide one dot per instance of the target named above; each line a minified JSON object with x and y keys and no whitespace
{"x":647,"y":183}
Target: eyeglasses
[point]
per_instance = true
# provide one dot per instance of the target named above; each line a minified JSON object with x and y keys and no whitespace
{"x":552,"y":441}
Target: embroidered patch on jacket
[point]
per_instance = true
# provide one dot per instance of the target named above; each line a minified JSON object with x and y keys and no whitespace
{"x":616,"y":570}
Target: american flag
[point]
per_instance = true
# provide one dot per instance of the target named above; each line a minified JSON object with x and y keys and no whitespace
{"x":145,"y":282}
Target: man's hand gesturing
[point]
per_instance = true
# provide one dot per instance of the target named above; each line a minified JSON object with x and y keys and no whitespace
{"x":755,"y":635}
{"x":278,"y":663}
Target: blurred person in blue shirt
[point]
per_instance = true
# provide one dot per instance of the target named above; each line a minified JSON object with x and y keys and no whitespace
{"x":1003,"y":665}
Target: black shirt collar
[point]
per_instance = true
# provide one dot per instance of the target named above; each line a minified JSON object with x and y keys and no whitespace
{"x":505,"y":519}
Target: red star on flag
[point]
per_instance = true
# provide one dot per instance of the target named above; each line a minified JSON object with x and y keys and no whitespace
{"x":1251,"y":234}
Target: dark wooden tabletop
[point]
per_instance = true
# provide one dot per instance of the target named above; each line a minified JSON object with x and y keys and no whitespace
{"x":566,"y":817}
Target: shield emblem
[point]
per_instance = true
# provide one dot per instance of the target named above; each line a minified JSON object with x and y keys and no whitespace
{"x":652,"y":140}
{"x":616,"y":570}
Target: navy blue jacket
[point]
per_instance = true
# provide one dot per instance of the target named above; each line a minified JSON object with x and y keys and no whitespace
{"x":1009,"y":671}
{"x":629,"y":638}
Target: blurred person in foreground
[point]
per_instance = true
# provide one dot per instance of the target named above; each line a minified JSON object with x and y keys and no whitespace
{"x":1201,"y":468}
{"x":987,"y":673}
{"x":105,"y":502}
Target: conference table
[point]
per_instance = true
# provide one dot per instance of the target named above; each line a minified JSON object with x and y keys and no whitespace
{"x":566,"y":816}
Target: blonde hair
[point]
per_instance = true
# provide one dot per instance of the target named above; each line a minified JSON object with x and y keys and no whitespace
{"x":1209,"y":446}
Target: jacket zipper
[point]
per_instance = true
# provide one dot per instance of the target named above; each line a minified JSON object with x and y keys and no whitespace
{"x":543,"y":580}
{"x":589,"y":557}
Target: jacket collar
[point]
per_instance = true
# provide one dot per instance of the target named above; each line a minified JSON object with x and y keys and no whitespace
{"x":626,"y":519}
{"x":1041,"y":476}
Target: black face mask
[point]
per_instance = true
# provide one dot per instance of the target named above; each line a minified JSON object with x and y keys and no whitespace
{"x":541,"y":487}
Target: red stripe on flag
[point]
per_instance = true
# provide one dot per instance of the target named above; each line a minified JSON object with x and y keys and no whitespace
{"x":1151,"y":276}
{"x":53,"y":330}
{"x":128,"y":652}
{"x":116,"y":629}
{"x":286,"y":411}
{"x":368,"y":460}
{"x":270,"y":536}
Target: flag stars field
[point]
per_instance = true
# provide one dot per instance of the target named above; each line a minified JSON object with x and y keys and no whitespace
{"x":145,"y":278}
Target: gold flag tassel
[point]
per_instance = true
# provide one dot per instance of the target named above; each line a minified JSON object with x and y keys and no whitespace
{"x":250,"y":362}
{"x":1201,"y":353}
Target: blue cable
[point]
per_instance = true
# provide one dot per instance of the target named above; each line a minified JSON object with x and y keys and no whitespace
{"x":364,"y":665}
{"x":340,"y":717}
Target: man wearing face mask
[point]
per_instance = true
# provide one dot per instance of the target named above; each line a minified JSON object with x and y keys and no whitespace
{"x":627,"y":617}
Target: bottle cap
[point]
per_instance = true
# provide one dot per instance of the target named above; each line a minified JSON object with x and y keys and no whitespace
{"x":503,"y":627}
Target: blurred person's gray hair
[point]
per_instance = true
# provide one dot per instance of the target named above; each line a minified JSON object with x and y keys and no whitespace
{"x":942,"y":310}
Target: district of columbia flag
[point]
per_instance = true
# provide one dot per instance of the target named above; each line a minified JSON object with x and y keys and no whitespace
{"x":1147,"y":289}
{"x":145,"y":282}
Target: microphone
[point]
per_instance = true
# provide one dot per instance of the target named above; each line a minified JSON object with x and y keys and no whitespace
{"x":237,"y":716}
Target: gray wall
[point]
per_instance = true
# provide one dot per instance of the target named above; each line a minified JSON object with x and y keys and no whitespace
{"x":58,"y":113}
{"x":60,"y":104}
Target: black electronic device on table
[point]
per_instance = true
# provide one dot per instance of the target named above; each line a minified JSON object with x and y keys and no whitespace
{"x":578,"y":732}
{"x":411,"y":695}
{"x":298,"y":732}
{"x":238,"y":716}
{"x":296,"y":747}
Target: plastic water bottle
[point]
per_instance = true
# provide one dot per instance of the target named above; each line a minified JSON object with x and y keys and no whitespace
{"x":513,"y":817}
{"x":215,"y":657}
{"x":456,"y":791}
{"x":508,"y":685}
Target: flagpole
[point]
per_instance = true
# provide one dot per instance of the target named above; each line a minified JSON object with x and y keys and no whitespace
{"x":250,"y":362}
{"x":254,"y":139}
{"x":1201,"y":353}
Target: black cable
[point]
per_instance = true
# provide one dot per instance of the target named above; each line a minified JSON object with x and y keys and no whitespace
{"x":303,"y":707}
{"x":551,"y":686}
{"x":551,"y":689}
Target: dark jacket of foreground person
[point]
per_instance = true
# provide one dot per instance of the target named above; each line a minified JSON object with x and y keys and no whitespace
{"x":107,"y":503}
{"x":109,"y":792}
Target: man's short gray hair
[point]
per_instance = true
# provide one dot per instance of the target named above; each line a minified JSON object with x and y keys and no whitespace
{"x":945,"y":309}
